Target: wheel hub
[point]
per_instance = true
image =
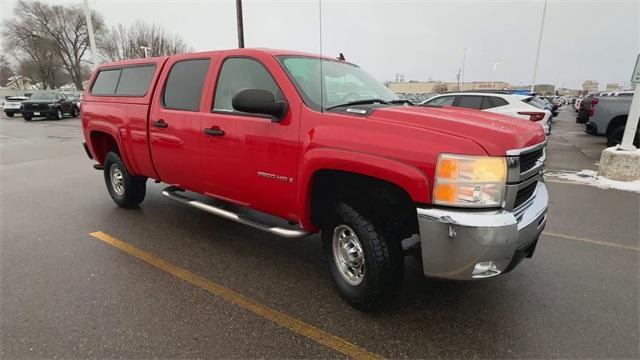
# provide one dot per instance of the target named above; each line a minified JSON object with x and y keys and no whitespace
{"x":348,"y":254}
{"x":117,"y":179}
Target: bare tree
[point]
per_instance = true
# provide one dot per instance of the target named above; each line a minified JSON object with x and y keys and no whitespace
{"x":122,"y":42}
{"x":34,"y":55}
{"x":63,"y":28}
{"x":6,"y":72}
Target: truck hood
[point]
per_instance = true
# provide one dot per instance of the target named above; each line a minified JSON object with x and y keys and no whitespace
{"x":496,"y":133}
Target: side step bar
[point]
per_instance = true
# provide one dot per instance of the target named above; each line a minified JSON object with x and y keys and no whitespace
{"x":172,"y":193}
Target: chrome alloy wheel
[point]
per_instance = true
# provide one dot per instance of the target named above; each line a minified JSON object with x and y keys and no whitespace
{"x":348,"y":254}
{"x":117,"y":180}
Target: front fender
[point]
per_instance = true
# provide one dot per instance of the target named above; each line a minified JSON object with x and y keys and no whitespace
{"x":409,"y":178}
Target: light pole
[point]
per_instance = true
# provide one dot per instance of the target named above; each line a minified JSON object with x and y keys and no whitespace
{"x":535,"y":66}
{"x":146,"y":50}
{"x":92,"y":40}
{"x":493,"y":77}
{"x":464,"y":58}
{"x":240,"y":24}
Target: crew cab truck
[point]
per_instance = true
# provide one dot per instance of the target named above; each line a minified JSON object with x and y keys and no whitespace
{"x":294,"y":144}
{"x":608,"y":115}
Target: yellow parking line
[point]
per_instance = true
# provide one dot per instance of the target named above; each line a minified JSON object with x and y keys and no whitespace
{"x":295,"y":325}
{"x":603,"y":243}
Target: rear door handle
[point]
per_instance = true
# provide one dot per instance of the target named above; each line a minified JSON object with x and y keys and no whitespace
{"x":160,"y":124}
{"x":214,"y":131}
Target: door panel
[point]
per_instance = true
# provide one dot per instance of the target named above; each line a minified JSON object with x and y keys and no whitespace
{"x":255,"y":162}
{"x":175,"y":122}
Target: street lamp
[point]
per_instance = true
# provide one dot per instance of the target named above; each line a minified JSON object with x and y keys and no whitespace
{"x":464,"y":58}
{"x":92,"y":40}
{"x":535,"y":66}
{"x":146,"y":50}
{"x":493,"y":77}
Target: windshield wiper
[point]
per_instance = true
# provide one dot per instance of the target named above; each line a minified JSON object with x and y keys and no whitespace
{"x":401,"y":102}
{"x":359,"y":102}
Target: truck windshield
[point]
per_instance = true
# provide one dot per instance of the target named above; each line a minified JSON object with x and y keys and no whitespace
{"x":341,"y":82}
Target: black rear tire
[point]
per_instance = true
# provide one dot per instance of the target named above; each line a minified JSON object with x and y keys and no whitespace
{"x":615,"y":137}
{"x":27,"y":117}
{"x":126,"y":190}
{"x":9,"y":114}
{"x":383,"y":260}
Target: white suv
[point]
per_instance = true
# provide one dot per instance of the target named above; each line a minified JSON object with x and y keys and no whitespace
{"x":507,"y":104}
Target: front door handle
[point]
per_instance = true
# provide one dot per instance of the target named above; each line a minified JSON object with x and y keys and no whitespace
{"x":160,"y":124}
{"x":214,"y":131}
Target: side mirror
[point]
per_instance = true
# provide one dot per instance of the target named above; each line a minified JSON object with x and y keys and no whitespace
{"x":258,"y":101}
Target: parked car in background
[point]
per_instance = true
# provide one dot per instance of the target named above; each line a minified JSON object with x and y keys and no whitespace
{"x":584,"y":111}
{"x":76,"y":100}
{"x":577,"y":104}
{"x":49,"y":104}
{"x":607,"y":116}
{"x":13,"y":105}
{"x":501,"y":103}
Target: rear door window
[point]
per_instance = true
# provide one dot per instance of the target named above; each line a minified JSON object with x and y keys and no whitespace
{"x":183,"y":88}
{"x":135,"y":80}
{"x":441,"y":101}
{"x":106,"y":82}
{"x":491,"y":102}
{"x":469,"y":102}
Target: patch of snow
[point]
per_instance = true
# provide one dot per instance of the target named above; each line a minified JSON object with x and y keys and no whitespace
{"x":590,"y":177}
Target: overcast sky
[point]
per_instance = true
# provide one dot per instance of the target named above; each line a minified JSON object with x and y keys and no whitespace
{"x":582,"y":39}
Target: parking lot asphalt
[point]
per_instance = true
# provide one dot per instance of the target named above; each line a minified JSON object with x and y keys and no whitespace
{"x":65,"y":293}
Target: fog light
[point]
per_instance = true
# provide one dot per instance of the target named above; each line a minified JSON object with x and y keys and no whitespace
{"x":485,"y":269}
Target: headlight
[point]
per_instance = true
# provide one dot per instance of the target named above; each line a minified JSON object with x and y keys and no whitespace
{"x":469,"y":181}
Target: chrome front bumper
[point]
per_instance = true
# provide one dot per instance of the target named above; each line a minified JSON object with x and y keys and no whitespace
{"x":465,"y":245}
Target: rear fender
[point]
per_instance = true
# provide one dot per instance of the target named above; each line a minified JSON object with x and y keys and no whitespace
{"x":111,"y":130}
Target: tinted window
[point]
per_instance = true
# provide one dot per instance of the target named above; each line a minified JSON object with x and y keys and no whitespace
{"x":184,"y":85}
{"x":106,"y":82}
{"x":470,"y":102}
{"x":441,"y":101}
{"x":493,"y":102}
{"x":625,"y":94}
{"x":135,"y":80}
{"x":239,"y":74}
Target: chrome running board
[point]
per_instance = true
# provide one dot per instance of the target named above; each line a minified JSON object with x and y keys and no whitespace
{"x":172,"y":193}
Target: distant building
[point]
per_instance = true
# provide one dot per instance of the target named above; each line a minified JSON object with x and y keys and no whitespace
{"x":426,"y":87}
{"x":614,"y":87}
{"x":569,"y":92}
{"x":590,"y":86}
{"x":545,"y":89}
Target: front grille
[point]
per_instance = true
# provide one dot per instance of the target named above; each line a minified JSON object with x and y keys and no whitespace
{"x":528,"y":160}
{"x":35,"y":107}
{"x":525,"y":194}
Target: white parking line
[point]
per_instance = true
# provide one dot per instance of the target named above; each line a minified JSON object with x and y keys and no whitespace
{"x":603,"y":243}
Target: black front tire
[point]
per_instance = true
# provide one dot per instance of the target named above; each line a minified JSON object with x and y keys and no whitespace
{"x":126,"y":190}
{"x":74,"y":113}
{"x":383,"y":260}
{"x":9,"y":114}
{"x":58,"y":115}
{"x":27,"y":117}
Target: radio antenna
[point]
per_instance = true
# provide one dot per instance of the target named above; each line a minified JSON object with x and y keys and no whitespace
{"x":321,"y":77}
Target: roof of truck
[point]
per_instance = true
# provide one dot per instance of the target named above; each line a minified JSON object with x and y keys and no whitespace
{"x":244,"y":51}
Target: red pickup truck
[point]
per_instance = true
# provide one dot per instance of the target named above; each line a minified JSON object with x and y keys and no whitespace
{"x":294,"y":144}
